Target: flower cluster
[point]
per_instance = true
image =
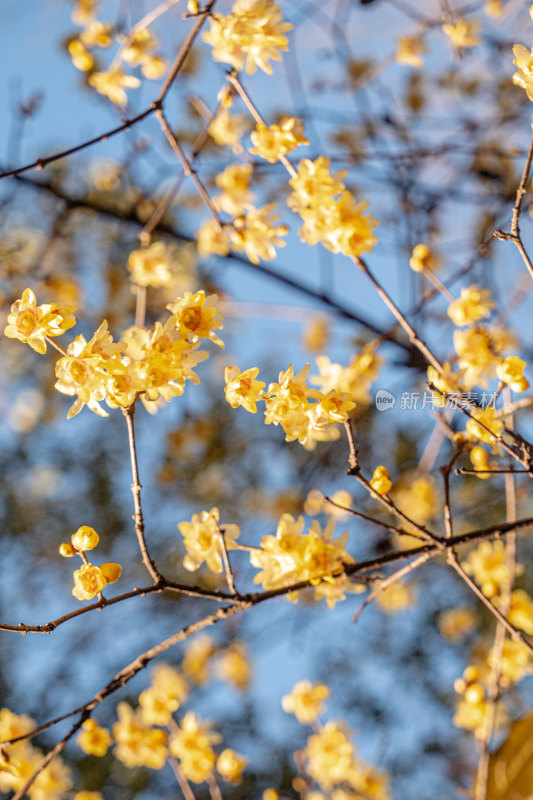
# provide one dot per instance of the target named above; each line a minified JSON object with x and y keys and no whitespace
{"x":150,"y":266}
{"x":330,"y":213}
{"x":252,"y":35}
{"x":291,"y":556}
{"x":19,"y":761}
{"x":272,"y":141}
{"x":140,"y":740}
{"x":253,"y":231}
{"x":329,"y":759}
{"x":305,"y":414}
{"x":88,"y":580}
{"x":151,"y":364}
{"x":473,"y":305}
{"x":354,"y":379}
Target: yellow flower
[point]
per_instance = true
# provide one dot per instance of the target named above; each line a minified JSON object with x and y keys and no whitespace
{"x":480,"y":461}
{"x":84,"y":11}
{"x":291,"y":556}
{"x":191,"y":744}
{"x":138,"y":46}
{"x":197,"y":657}
{"x":511,"y":371}
{"x":83,"y":370}
{"x":524,"y":62}
{"x":410,"y":50}
{"x":339,"y":223}
{"x":480,"y":351}
{"x":354,"y":380}
{"x":213,"y":239}
{"x":67,"y":550}
{"x":150,"y":266}
{"x":88,"y":796}
{"x":31,"y":323}
{"x":231,"y":765}
{"x":329,"y":755}
{"x":306,"y":701}
{"x":93,"y":739}
{"x":81,"y":59}
{"x":138,"y":745}
{"x":97,"y":34}
{"x":316,"y":334}
{"x":521,"y":611}
{"x":516,"y":662}
{"x":112,"y":84}
{"x":234,"y":182}
{"x":256,"y":233}
{"x":154,"y":68}
{"x":456,"y":623}
{"x":423,"y":258}
{"x":202,"y":540}
{"x":288,"y":404}
{"x":242,"y":389}
{"x":111,"y":571}
{"x":396,"y":597}
{"x":227,"y":129}
{"x":493,"y":8}
{"x":464,"y":33}
{"x":197,"y":316}
{"x":274,"y":141}
{"x":167,"y":692}
{"x":447,"y":381}
{"x":88,"y":582}
{"x":234,"y":666}
{"x":487,"y":564}
{"x":252,"y":35}
{"x":473,"y":305}
{"x":418,"y":498}
{"x":476,"y":432}
{"x":334,"y":589}
{"x":381,"y":482}
{"x":85,"y":538}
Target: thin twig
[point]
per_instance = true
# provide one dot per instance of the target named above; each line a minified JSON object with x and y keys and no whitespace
{"x":396,"y":576}
{"x":184,"y":784}
{"x":187,"y":169}
{"x":136,"y":490}
{"x":514,"y":236}
{"x":406,"y":325}
{"x":225,"y":559}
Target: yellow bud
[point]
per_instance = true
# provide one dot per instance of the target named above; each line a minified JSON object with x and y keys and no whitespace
{"x":85,"y":538}
{"x":193,"y":7}
{"x":459,"y":685}
{"x":471,"y":674}
{"x":474,"y":694}
{"x":111,"y":571}
{"x":67,"y":550}
{"x":490,"y":588}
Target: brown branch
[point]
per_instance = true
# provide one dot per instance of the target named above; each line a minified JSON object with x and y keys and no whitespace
{"x":164,"y":585}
